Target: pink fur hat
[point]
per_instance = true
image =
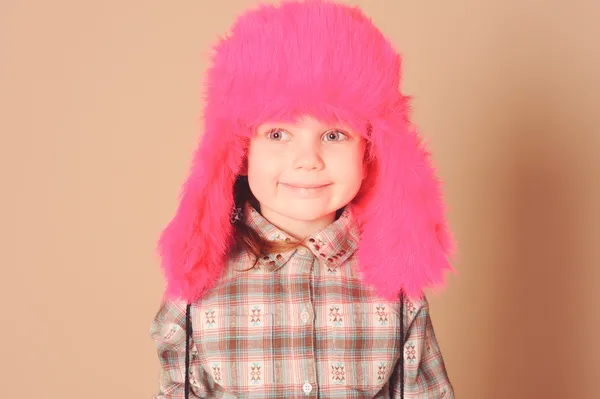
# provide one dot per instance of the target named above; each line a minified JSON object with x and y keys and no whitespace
{"x":327,"y":60}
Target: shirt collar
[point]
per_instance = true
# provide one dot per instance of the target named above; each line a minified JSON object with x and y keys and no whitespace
{"x":332,"y":245}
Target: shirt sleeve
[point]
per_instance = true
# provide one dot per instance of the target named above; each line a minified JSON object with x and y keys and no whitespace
{"x":425,"y":373}
{"x":168,"y":333}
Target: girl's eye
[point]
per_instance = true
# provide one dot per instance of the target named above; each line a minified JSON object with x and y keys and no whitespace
{"x":335,"y":135}
{"x":278,"y":135}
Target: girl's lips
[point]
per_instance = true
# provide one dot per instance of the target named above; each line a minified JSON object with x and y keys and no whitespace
{"x":306,"y":191}
{"x":309,"y":186}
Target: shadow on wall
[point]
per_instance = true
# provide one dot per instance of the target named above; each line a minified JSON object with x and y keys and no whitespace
{"x":534,"y":351}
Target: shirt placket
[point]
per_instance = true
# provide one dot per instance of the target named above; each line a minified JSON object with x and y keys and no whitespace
{"x":307,"y":323}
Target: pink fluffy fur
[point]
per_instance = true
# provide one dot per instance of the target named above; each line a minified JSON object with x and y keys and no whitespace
{"x":329,"y":61}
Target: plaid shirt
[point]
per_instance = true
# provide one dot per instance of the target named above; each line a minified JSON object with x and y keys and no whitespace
{"x":299,"y":325}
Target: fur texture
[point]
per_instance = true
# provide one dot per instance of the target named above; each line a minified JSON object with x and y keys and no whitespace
{"x":330,"y":61}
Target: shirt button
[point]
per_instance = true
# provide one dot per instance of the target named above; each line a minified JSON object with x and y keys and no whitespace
{"x":307,"y":387}
{"x":302,"y":251}
{"x":305,"y":317}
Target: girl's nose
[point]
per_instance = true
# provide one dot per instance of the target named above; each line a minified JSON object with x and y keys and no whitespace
{"x":308,"y":159}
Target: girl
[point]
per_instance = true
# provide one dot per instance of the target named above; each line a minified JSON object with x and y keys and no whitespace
{"x":310,"y":223}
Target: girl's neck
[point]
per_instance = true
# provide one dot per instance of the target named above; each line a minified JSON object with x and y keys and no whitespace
{"x":299,"y":229}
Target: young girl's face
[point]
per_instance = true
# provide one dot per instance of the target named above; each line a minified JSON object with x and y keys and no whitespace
{"x":302,"y":173}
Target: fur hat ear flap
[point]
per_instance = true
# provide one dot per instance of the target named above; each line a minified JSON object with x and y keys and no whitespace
{"x":405,"y":241}
{"x":196,"y":242}
{"x":244,"y":167}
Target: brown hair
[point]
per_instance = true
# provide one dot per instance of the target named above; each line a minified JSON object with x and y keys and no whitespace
{"x":245,"y":237}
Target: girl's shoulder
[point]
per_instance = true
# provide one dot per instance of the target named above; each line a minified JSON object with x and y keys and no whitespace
{"x":239,"y":264}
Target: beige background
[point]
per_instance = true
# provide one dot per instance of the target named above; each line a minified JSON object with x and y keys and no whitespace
{"x":99,"y":105}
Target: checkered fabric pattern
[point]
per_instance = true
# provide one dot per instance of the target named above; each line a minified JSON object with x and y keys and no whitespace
{"x":299,"y":325}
